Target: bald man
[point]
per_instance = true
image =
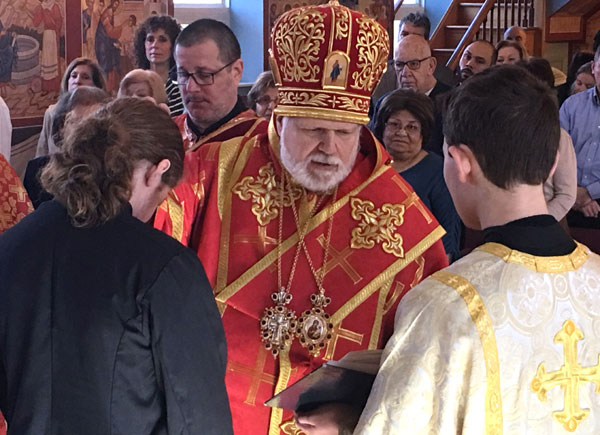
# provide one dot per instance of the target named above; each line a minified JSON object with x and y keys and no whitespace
{"x":517,"y":34}
{"x":414,"y":66}
{"x":477,"y":57}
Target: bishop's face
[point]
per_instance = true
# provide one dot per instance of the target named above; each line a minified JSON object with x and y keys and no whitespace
{"x":318,"y":153}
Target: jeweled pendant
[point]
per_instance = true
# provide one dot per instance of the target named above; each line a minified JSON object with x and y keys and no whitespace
{"x":278,"y":323}
{"x":314,"y":328}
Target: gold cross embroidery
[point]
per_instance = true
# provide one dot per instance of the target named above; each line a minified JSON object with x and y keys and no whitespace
{"x":256,"y":374}
{"x":264,"y":193}
{"x":412,"y":198}
{"x":339,"y":332}
{"x":198,"y":187}
{"x":262,"y":240}
{"x":569,"y":376}
{"x":338,"y":258}
{"x":377,"y":225}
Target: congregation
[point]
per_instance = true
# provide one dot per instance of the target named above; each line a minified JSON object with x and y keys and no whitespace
{"x":178,"y":254}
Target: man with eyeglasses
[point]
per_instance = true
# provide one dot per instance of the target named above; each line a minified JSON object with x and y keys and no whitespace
{"x":209,"y":69}
{"x":414,"y":66}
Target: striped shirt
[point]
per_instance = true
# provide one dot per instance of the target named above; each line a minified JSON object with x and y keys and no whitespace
{"x":174,"y":98}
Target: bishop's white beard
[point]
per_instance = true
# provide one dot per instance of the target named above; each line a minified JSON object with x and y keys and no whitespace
{"x":317,"y":180}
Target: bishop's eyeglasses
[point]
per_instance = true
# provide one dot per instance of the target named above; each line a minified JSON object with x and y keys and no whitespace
{"x":202,"y":78}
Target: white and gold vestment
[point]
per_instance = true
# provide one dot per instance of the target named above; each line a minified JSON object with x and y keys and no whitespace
{"x":501,"y":342}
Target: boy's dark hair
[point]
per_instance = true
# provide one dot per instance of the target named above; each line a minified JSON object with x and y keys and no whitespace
{"x":509,"y":120}
{"x":207,"y":28}
{"x":540,"y":68}
{"x":418,"y":19}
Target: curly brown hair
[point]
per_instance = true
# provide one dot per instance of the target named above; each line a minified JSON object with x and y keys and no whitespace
{"x":92,"y":175}
{"x":152,"y":24}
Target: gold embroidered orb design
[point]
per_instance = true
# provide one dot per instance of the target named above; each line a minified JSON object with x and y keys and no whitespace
{"x":569,"y":376}
{"x":377,"y":225}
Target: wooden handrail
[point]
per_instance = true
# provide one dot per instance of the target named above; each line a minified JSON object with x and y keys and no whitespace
{"x":470,"y":33}
{"x":397,"y":5}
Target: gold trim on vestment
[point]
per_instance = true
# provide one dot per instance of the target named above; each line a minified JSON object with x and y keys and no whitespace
{"x":285,"y":371}
{"x":558,"y":264}
{"x":176,"y":208}
{"x":387,"y":274}
{"x":483,"y":323}
{"x":322,"y":113}
{"x":227,"y":153}
{"x":229,"y":124}
{"x":268,"y":259}
{"x":224,"y":241}
{"x":383,"y":293}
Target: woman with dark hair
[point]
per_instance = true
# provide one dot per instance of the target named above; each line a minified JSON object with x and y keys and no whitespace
{"x":578,"y":60}
{"x":80,"y":72}
{"x":74,"y":105}
{"x":509,"y":52}
{"x":262,"y":97}
{"x":584,"y":79}
{"x":403,"y":124}
{"x":117,"y":331}
{"x":154,"y":45}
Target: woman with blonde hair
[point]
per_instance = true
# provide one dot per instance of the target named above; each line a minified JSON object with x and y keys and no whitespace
{"x":80,"y":72}
{"x":144,"y":84}
{"x":96,"y":339}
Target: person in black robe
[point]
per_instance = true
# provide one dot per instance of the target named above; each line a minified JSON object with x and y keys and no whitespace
{"x":106,"y":324}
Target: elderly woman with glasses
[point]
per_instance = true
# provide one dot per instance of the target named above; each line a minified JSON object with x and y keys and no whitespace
{"x":262,"y":97}
{"x":404,"y":122}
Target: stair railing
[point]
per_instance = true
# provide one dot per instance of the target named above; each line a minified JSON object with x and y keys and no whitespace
{"x":482,"y":27}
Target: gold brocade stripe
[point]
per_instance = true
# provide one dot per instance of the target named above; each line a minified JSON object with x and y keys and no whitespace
{"x":230,"y":124}
{"x":239,"y":166}
{"x":357,"y":117}
{"x":483,"y":323}
{"x":285,"y":371}
{"x":227,"y":153}
{"x":374,"y":341}
{"x":558,"y":264}
{"x":176,"y":214}
{"x":268,"y":259}
{"x":387,"y":274}
{"x":323,"y":91}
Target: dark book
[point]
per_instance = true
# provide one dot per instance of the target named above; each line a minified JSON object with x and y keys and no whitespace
{"x":348,"y":381}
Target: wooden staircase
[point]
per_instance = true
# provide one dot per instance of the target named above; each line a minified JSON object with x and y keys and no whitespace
{"x":464,"y":22}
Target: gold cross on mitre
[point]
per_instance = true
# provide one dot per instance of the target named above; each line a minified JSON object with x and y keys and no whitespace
{"x":568,"y":377}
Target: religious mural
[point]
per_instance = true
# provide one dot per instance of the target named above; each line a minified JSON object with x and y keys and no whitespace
{"x":381,"y":10}
{"x":32,"y":54}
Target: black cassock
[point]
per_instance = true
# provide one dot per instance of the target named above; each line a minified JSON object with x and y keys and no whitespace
{"x":108,"y":330}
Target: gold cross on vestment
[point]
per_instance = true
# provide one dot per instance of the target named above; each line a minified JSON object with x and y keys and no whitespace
{"x":198,"y":187}
{"x":569,"y":376}
{"x":339,"y":332}
{"x":262,"y":240}
{"x":13,"y":188}
{"x":413,"y":198}
{"x":256,"y":374}
{"x":338,"y":258}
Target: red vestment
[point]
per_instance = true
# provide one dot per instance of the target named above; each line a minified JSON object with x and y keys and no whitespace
{"x":384,"y":241}
{"x":238,"y":126}
{"x":14,"y":201}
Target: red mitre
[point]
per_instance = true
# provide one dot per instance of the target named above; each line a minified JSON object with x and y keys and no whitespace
{"x":327,"y":60}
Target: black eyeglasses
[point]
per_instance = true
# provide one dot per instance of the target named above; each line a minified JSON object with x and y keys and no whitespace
{"x":202,"y":78}
{"x":413,"y":64}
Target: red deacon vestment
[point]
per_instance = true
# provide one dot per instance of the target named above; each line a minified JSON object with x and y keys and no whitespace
{"x":383,"y":242}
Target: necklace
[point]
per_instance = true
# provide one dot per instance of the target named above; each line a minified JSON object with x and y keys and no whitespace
{"x":278,"y":322}
{"x":314,"y":328}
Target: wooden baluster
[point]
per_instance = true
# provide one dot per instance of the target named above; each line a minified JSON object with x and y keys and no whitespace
{"x":505,"y":16}
{"x":526,"y":14}
{"x":498,"y":21}
{"x":519,"y":14}
{"x":491,"y":25}
{"x":512,"y":13}
{"x":483,"y":26}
